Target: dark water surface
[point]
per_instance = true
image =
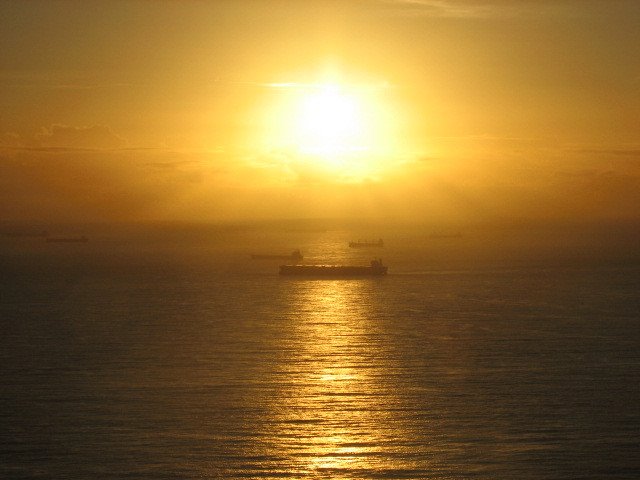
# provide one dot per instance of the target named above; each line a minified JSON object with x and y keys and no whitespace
{"x":123,"y":362}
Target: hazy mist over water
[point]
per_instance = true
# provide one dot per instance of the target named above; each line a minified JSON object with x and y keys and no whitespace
{"x":167,"y":352}
{"x":147,"y":149}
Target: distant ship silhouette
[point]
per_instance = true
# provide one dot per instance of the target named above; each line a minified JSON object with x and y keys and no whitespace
{"x":375,"y":268}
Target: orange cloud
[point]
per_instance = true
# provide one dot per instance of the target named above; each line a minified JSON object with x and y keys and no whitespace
{"x":95,"y":137}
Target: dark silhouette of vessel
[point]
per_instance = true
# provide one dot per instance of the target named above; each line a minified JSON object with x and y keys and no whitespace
{"x":375,"y":268}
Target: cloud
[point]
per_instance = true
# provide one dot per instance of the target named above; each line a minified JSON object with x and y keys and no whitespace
{"x":439,"y":8}
{"x":99,"y":185}
{"x":97,"y":137}
{"x":64,"y":137}
{"x":631,"y":153}
{"x":472,"y":8}
{"x":11,"y":140}
{"x":76,"y":184}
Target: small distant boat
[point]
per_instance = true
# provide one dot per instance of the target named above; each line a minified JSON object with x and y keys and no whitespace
{"x":336,"y":271}
{"x":295,"y":256}
{"x":367,"y":244}
{"x":82,"y":239}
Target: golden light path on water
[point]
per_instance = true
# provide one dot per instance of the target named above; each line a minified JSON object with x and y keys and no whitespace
{"x":333,"y":413}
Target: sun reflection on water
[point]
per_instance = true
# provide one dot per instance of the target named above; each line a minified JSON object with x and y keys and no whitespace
{"x":331,"y":411}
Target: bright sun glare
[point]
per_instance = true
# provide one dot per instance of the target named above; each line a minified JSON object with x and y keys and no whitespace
{"x":340,"y":129}
{"x":329,"y":122}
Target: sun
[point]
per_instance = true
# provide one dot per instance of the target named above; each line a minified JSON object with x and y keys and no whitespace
{"x":330,"y":122}
{"x":345,"y":131}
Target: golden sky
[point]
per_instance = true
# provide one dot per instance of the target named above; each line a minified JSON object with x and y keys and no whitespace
{"x":414,"y":109}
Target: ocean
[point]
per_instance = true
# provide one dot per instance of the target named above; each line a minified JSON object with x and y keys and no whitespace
{"x":168,"y":353}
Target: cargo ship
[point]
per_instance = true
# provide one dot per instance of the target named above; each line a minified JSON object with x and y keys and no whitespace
{"x":375,"y":268}
{"x":367,"y":244}
{"x":295,"y":256}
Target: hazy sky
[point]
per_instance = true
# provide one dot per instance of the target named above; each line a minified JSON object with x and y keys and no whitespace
{"x":417,"y":109}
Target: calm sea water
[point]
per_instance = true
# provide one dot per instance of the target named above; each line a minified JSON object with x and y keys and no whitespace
{"x":147,"y":356}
